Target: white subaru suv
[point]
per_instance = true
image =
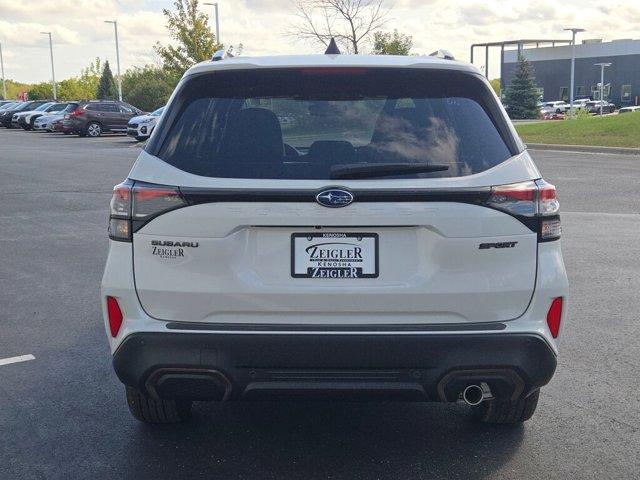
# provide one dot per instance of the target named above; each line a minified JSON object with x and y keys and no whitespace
{"x":334,"y":226}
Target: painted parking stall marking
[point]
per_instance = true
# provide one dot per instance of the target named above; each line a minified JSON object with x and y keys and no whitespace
{"x":18,"y":359}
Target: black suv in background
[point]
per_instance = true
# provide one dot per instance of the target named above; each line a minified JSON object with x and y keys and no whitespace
{"x":7,"y":115}
{"x":93,"y":118}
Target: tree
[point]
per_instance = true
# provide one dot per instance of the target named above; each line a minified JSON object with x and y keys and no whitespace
{"x":41,"y":91}
{"x":107,"y":86}
{"x":190,"y":29}
{"x":386,"y":43}
{"x":521,"y":95}
{"x":84,"y":87}
{"x":148,"y":87}
{"x":495,"y":84}
{"x":350,"y":22}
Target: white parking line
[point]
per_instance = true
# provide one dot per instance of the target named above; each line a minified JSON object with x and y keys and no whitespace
{"x":20,"y":358}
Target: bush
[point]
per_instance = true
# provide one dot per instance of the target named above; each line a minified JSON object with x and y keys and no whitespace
{"x":148,"y":88}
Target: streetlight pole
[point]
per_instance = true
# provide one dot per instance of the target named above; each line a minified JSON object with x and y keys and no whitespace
{"x":573,"y":64}
{"x":4,"y":85}
{"x":53,"y":72}
{"x":602,"y":67}
{"x":215,"y":7}
{"x":115,"y":26}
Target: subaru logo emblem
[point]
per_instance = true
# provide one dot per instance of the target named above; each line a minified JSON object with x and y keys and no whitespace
{"x":334,"y":198}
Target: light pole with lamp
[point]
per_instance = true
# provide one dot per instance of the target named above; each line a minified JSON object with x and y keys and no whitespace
{"x":53,"y":73}
{"x":4,"y":85}
{"x":602,"y":67}
{"x":215,"y":7}
{"x":573,"y":64}
{"x":115,"y":26}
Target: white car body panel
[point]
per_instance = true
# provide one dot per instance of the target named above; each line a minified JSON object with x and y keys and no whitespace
{"x":431,"y":268}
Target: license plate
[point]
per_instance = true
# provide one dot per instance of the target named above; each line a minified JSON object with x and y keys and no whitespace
{"x":334,"y":255}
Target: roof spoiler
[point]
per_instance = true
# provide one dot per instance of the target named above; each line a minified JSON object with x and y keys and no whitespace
{"x":443,"y":54}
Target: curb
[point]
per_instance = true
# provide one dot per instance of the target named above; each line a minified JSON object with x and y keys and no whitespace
{"x":584,"y":148}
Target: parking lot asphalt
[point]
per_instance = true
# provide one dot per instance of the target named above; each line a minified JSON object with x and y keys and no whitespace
{"x":63,"y":414}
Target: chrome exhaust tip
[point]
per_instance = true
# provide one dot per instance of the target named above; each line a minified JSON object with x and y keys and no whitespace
{"x":474,"y":395}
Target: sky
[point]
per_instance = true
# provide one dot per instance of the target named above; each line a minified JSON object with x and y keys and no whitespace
{"x":80,"y":34}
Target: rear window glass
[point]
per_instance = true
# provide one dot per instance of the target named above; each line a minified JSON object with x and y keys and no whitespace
{"x":315,"y":123}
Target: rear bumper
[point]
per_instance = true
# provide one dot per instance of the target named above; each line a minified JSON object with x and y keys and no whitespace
{"x":251,"y":365}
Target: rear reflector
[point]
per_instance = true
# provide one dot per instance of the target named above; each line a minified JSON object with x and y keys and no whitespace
{"x":115,"y":316}
{"x":554,"y":316}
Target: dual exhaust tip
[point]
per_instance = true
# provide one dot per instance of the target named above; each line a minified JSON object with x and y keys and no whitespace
{"x":475,"y":394}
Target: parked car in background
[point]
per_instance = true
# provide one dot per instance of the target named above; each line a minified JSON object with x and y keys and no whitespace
{"x":8,"y":106}
{"x":7,"y":114}
{"x":26,"y":119}
{"x":59,"y":126}
{"x":93,"y":118}
{"x":5,"y":102}
{"x":594,"y":106}
{"x":555,"y":107}
{"x":17,"y":116}
{"x":630,"y":109}
{"x":580,"y":103}
{"x":45,"y":122}
{"x":553,"y":116}
{"x":140,"y":127}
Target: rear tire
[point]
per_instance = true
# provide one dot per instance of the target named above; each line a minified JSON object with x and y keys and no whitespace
{"x":156,"y":411}
{"x":93,"y":129}
{"x":507,"y":412}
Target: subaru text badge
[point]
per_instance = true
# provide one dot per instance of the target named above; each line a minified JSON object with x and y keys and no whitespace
{"x":334,"y":198}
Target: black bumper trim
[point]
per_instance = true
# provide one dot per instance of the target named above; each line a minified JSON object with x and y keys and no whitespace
{"x":233,"y":327}
{"x":402,"y":364}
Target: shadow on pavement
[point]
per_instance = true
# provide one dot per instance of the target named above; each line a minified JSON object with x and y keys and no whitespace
{"x":324,"y":440}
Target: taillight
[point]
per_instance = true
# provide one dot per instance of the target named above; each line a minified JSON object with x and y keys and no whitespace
{"x":534,"y":203}
{"x":76,"y":113}
{"x":554,"y":316}
{"x":114,"y":315}
{"x":135,"y":204}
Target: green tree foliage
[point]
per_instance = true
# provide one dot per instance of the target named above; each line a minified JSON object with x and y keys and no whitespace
{"x":83,"y":87}
{"x":521,"y":95}
{"x":14,"y":89}
{"x":387,"y":43}
{"x":148,"y":88}
{"x":189,"y":27}
{"x":107,"y":85}
{"x":495,"y":84}
{"x":41,"y":91}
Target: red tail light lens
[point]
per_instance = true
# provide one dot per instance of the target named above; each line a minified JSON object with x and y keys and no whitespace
{"x":517,"y":198}
{"x":149,"y":200}
{"x":533,"y":203}
{"x":554,"y":316}
{"x":115,"y":316}
{"x":135,"y":204}
{"x":77,"y":112}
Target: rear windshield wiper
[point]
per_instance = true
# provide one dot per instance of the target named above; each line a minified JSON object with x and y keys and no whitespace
{"x":373,"y":170}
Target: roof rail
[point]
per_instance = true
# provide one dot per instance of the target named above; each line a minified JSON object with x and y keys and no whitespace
{"x":444,"y":54}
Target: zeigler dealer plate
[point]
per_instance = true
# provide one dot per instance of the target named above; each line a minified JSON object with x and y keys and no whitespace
{"x":334,"y":255}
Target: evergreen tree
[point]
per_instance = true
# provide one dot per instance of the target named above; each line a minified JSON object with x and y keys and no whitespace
{"x":107,"y":86}
{"x":521,"y":95}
